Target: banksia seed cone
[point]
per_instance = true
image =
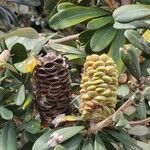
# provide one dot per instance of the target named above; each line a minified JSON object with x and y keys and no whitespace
{"x":98,"y":88}
{"x":53,"y":87}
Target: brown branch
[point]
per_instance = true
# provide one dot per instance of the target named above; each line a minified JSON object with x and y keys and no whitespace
{"x":126,"y":2}
{"x":140,"y":122}
{"x":99,"y":126}
{"x":64,"y":39}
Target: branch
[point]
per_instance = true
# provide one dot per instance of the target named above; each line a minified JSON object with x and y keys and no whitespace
{"x":140,"y":122}
{"x":126,"y":2}
{"x":64,"y":39}
{"x":99,"y":126}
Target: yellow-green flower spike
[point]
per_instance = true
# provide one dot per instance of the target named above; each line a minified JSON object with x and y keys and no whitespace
{"x":98,"y":88}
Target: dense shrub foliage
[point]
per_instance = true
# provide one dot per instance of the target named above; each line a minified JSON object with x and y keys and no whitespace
{"x":74,"y":74}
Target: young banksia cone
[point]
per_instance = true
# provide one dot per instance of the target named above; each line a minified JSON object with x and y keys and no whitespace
{"x":98,"y":88}
{"x":53,"y":87}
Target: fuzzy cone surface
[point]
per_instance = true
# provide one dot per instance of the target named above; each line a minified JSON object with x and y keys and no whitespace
{"x":98,"y":88}
{"x":53,"y":87}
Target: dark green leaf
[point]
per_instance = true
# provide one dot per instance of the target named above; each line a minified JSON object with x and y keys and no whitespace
{"x":5,"y":113}
{"x":117,"y":43}
{"x":85,"y":36}
{"x":102,"y":38}
{"x":129,"y":13}
{"x":99,"y":22}
{"x":20,"y":96}
{"x":141,"y":109}
{"x":18,"y":52}
{"x":145,"y":64}
{"x":137,"y":40}
{"x":75,"y":15}
{"x":73,"y":143}
{"x":50,"y":5}
{"x":124,"y":138}
{"x":88,"y":144}
{"x":8,"y":140}
{"x":2,"y":92}
{"x":98,"y":143}
{"x":129,"y":57}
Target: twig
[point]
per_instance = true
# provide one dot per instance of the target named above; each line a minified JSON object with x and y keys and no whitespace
{"x":99,"y":126}
{"x":126,"y":2}
{"x":140,"y":122}
{"x":64,"y":39}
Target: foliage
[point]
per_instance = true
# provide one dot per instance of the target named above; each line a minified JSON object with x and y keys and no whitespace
{"x":95,"y":27}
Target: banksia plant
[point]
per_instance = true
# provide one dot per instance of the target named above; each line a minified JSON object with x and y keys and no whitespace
{"x":98,"y":88}
{"x":53,"y":87}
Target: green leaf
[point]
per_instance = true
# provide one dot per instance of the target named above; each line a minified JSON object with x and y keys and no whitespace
{"x":20,"y":96}
{"x":38,"y":46}
{"x":123,"y":137}
{"x":5,"y":113}
{"x":2,"y":91}
{"x":22,"y":32}
{"x":130,"y":110}
{"x":129,"y":13}
{"x":65,"y":49}
{"x":50,"y":5}
{"x":75,"y":15}
{"x":137,"y":40}
{"x":18,"y":52}
{"x":137,"y":24}
{"x":139,"y":130}
{"x":99,"y":22}
{"x":144,"y":146}
{"x":98,"y":143}
{"x":68,"y":132}
{"x":122,"y":90}
{"x":129,"y":57}
{"x":121,"y":121}
{"x":88,"y":144}
{"x":145,"y":64}
{"x":41,"y":142}
{"x":8,"y":140}
{"x":59,"y":147}
{"x":27,"y":42}
{"x":102,"y":38}
{"x":141,"y":109}
{"x":118,"y":42}
{"x":146,"y":93}
{"x":76,"y":59}
{"x":73,"y":143}
{"x":32,"y":126}
{"x":64,"y":6}
{"x":85,"y":36}
{"x":26,"y":66}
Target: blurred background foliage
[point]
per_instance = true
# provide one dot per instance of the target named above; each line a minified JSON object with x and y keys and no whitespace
{"x":31,"y":27}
